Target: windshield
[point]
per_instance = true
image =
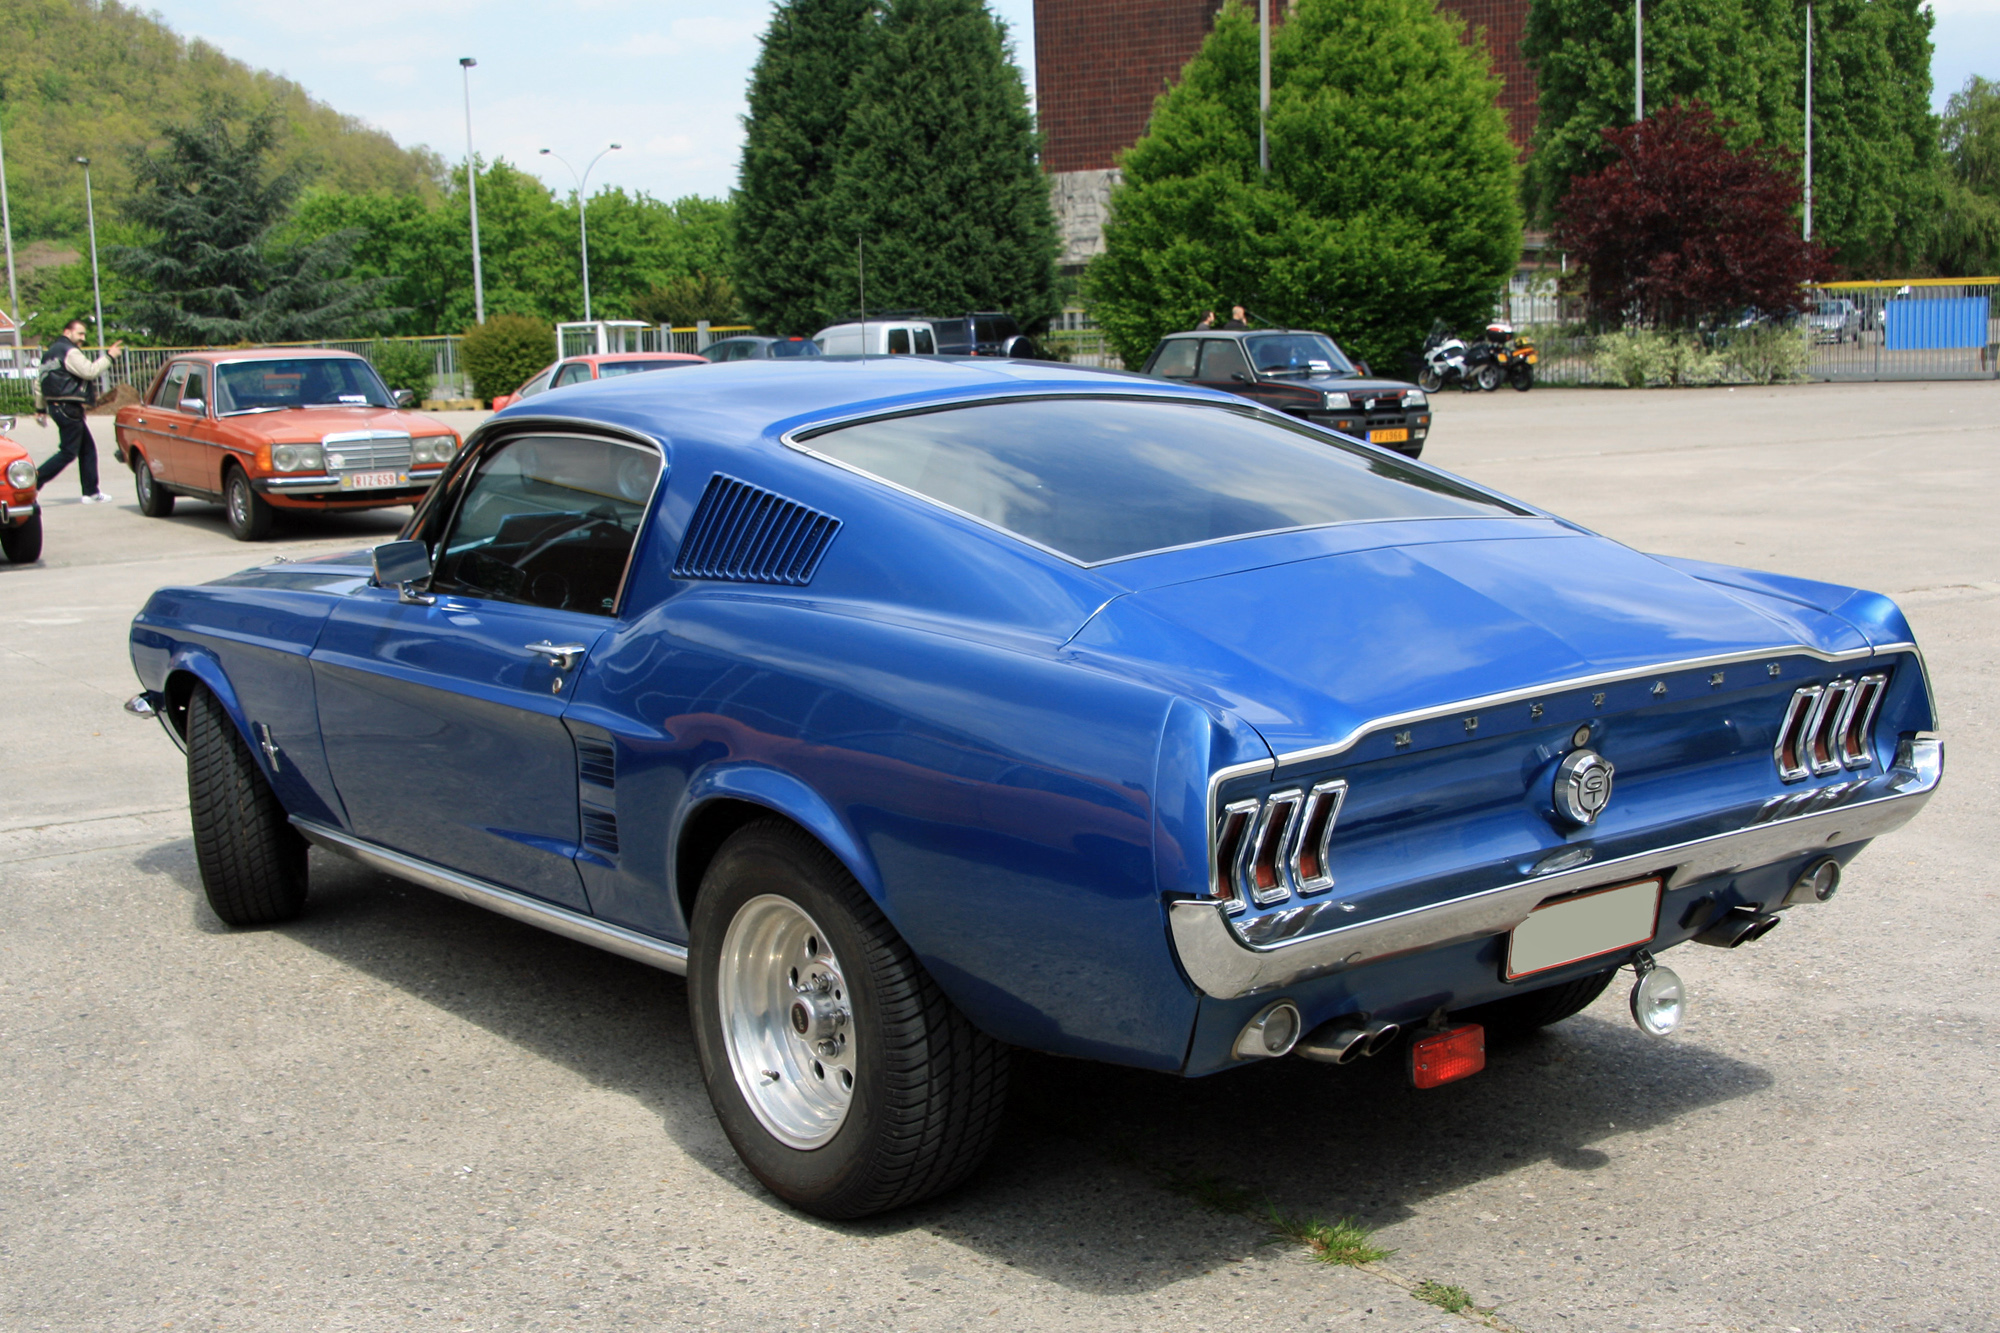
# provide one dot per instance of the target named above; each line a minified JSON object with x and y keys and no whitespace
{"x":613,"y":369}
{"x":267,"y":386}
{"x":1104,"y":478}
{"x":793,"y":347}
{"x":1297,"y":354}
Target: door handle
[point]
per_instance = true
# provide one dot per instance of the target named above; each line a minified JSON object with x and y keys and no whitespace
{"x":562,"y":656}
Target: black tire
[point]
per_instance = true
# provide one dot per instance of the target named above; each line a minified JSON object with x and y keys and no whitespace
{"x":1521,"y":375}
{"x":22,"y":542}
{"x":1430,"y":381}
{"x":155,"y":500}
{"x":249,"y":513}
{"x":928,"y":1088}
{"x":1518,"y":1015}
{"x":1487,"y":378}
{"x":252,"y":861}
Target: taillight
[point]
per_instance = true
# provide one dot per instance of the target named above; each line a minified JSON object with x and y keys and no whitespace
{"x":1446,"y":1057}
{"x":1311,"y":870}
{"x":1231,"y":845}
{"x":1266,"y":880}
{"x":1267,"y":849}
{"x":1828,"y":728}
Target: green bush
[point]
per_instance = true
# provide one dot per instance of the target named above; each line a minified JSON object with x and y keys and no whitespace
{"x":1643,"y":358}
{"x":503,"y":352}
{"x":404,"y":365}
{"x":1768,"y":354}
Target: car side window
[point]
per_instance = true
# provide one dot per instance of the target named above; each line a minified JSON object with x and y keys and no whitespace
{"x":169,"y":394}
{"x":1222,"y":358}
{"x":899,"y":342}
{"x":926,"y":344}
{"x":549,"y":520}
{"x":535,"y":385}
{"x":576,"y":372}
{"x":193,"y":387}
{"x":1176,"y":359}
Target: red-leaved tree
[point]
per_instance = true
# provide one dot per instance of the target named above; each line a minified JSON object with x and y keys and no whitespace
{"x":1683,"y":231}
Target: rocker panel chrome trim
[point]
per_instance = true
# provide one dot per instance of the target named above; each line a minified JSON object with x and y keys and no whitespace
{"x":631,"y":944}
{"x":1222,"y":964}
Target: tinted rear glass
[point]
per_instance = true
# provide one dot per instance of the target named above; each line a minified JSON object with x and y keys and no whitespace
{"x":1103,"y":478}
{"x":794,"y":347}
{"x":613,"y":369}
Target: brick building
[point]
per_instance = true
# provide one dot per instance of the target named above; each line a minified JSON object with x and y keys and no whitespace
{"x":1099,"y":65}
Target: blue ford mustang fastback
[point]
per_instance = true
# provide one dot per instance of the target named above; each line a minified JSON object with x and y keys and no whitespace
{"x":916,"y":710}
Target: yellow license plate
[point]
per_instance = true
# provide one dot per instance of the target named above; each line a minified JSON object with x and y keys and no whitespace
{"x":1388,"y":436}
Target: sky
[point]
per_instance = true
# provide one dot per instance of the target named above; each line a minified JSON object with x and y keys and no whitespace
{"x":664,"y":78}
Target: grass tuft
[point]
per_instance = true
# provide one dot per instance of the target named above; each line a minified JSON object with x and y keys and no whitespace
{"x":1213,"y":1192}
{"x":1444,"y":1296}
{"x":1341,"y":1241}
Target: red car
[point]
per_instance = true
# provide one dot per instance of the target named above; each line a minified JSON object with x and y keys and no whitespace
{"x":265,"y":429}
{"x":578,"y":369}
{"x":20,"y":514}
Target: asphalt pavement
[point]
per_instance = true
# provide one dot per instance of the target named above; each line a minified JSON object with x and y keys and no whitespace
{"x":403,"y":1112}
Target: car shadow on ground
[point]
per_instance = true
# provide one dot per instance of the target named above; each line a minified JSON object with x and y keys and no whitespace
{"x":1105,"y":1180}
{"x":364,"y":527}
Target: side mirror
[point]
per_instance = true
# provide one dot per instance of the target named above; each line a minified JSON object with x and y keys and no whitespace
{"x":1239,"y":377}
{"x":404,"y":397}
{"x":194,"y":405}
{"x":399,"y":565}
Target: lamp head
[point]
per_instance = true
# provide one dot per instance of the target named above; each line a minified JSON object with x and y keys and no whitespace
{"x":618,"y":145}
{"x":467,"y":61}
{"x":83,"y":161}
{"x":543,"y":151}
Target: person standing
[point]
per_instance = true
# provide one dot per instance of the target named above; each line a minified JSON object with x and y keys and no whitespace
{"x":1239,"y":318}
{"x":65,"y":390}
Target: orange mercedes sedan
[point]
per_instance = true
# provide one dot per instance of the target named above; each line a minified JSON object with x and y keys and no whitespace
{"x":268,"y":429}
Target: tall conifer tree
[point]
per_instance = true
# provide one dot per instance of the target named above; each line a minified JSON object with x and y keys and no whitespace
{"x":802,"y":92}
{"x":938,"y":173}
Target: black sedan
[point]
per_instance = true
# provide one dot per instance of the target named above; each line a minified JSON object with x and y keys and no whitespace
{"x":1302,"y":373}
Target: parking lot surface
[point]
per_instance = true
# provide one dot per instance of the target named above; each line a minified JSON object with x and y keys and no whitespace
{"x":403,"y":1112}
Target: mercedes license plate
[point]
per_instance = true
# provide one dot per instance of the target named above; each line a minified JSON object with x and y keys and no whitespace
{"x":1388,"y":436}
{"x":371,"y":481}
{"x":1569,"y":930}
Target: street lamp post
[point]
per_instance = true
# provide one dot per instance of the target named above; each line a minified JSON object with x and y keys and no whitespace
{"x":1638,"y":60}
{"x":1263,"y":85}
{"x":465,"y":64}
{"x":90,"y":219}
{"x":1809,"y":82}
{"x":582,"y":225}
{"x":7,"y":226}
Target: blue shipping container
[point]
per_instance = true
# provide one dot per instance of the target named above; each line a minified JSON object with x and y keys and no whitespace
{"x":1919,"y":324}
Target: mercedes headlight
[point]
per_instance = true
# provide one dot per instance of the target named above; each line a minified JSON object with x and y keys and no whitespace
{"x":1416,"y":398}
{"x":1338,"y":402}
{"x":433,"y":449}
{"x":297,"y":458}
{"x":21,"y":474}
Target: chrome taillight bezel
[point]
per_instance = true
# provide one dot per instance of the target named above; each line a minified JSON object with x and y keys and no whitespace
{"x":1267,"y":849}
{"x":1310,"y":860}
{"x":1829,"y":728}
{"x":1267,"y":877}
{"x":1790,"y":751}
{"x":1857,"y":722}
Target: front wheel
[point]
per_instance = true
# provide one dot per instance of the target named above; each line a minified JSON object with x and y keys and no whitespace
{"x":1430,"y":380}
{"x":155,"y":500}
{"x":1521,"y":375}
{"x":252,"y":861}
{"x":1487,"y":378}
{"x":22,"y":542}
{"x":845,"y":1079}
{"x":249,"y":512}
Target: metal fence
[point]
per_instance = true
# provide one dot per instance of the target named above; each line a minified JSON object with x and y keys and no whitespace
{"x":1935,"y":329}
{"x":611,"y":336}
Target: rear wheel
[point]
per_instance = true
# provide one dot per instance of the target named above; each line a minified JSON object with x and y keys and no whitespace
{"x":1487,"y":378}
{"x":252,"y":861}
{"x":1518,"y":1015}
{"x":1521,"y":375}
{"x":155,"y":500}
{"x":22,"y":542}
{"x":845,"y":1079}
{"x":249,"y":512}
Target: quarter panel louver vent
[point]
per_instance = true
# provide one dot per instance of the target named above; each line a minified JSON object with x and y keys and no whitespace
{"x":596,"y":762}
{"x":600,"y":831}
{"x":746,"y":534}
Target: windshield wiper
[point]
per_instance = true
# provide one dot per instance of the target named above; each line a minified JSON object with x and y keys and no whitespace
{"x":1287,"y":370}
{"x":246,"y":411}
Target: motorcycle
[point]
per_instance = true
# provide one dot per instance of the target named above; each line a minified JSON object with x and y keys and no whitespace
{"x":1444,"y":361}
{"x":1515,"y":357}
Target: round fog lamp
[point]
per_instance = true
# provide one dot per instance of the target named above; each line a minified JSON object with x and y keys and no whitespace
{"x":21,"y":474}
{"x":1659,"y":1001}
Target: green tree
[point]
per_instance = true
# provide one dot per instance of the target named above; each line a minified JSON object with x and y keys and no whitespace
{"x":1968,"y":239}
{"x":941,"y":182}
{"x":801,"y":96}
{"x":680,"y":302}
{"x":1391,"y":199}
{"x":212,"y":273}
{"x":503,"y":352}
{"x":1874,"y":139}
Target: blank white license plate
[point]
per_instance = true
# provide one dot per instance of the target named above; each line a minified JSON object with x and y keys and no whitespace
{"x":369,"y":481}
{"x":1600,"y":922}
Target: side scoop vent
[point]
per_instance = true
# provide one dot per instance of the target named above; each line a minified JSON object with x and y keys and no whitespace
{"x":745,"y":534}
{"x":600,"y":831}
{"x":596,"y":762}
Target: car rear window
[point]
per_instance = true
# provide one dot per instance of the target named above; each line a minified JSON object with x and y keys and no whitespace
{"x":612,"y":369}
{"x":793,"y":347}
{"x":1100,"y":479}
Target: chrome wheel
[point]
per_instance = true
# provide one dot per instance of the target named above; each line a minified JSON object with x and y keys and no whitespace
{"x":239,"y":504}
{"x":787,"y":1021}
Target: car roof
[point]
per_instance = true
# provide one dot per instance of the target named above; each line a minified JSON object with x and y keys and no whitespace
{"x":1238,"y":333}
{"x":599,"y":358}
{"x":269,"y":354}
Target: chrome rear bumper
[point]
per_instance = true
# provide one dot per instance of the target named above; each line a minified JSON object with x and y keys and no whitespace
{"x":1223,"y":963}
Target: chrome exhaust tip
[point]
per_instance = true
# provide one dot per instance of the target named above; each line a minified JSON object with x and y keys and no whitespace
{"x":1738,"y":927}
{"x":1331,"y":1043}
{"x":1381,"y":1036}
{"x":1819,"y":883}
{"x":1273,"y":1032}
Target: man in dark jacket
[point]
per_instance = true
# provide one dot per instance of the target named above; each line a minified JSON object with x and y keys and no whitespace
{"x":65,"y":390}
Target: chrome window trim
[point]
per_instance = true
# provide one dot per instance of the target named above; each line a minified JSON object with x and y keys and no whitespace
{"x":498,"y":431}
{"x":796,"y":438}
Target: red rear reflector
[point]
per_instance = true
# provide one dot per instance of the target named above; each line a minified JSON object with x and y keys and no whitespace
{"x":1445,"y":1057}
